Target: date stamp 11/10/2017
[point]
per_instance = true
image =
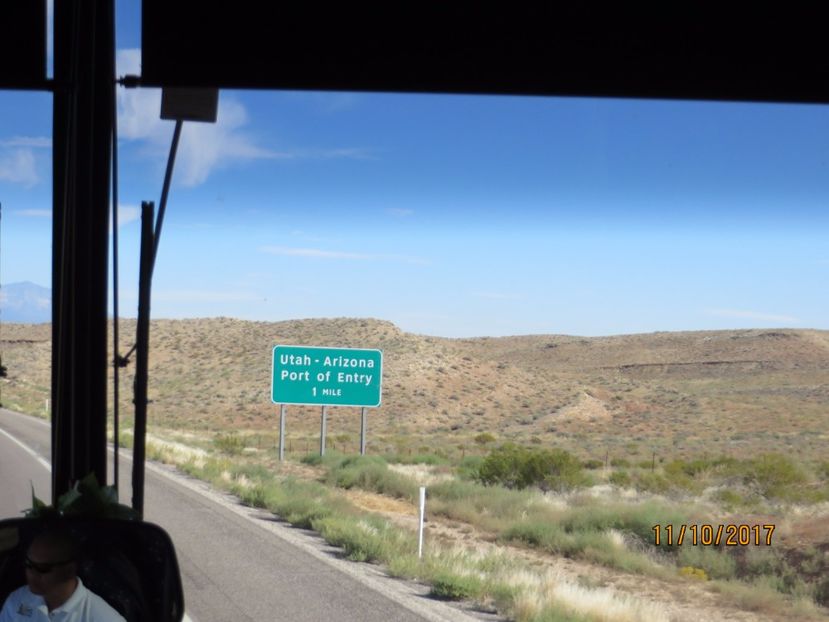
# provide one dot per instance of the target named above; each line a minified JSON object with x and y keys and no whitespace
{"x":713,"y":535}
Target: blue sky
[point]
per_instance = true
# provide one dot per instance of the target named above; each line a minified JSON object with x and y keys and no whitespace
{"x":456,"y":215}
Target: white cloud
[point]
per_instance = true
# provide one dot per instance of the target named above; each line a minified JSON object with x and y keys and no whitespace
{"x":318,"y":253}
{"x":312,"y":252}
{"x":349,"y":153}
{"x":38,"y":142}
{"x":204,"y":147}
{"x":18,"y":167}
{"x":35,"y":213}
{"x":752,"y":315}
{"x":126,"y":215}
{"x":302,"y":235}
{"x":399,"y":212}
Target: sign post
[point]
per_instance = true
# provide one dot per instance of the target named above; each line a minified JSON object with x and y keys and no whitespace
{"x":316,"y":376}
{"x":281,"y":432}
{"x":323,"y":426}
{"x":362,"y":431}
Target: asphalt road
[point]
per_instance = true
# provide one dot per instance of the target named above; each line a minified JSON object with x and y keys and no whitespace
{"x":236,"y":563}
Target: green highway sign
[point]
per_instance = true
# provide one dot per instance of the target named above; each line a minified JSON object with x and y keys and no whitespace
{"x":326,"y":376}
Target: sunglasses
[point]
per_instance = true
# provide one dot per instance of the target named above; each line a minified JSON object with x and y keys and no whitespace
{"x":43,"y":568}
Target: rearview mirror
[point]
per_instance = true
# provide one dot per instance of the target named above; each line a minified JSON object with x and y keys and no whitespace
{"x":130,"y":564}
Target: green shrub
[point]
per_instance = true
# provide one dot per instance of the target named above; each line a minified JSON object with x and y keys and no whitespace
{"x":760,"y":561}
{"x":489,"y":507}
{"x":620,"y":463}
{"x":371,"y":473}
{"x":453,"y":490}
{"x":592,"y":464}
{"x":716,"y":563}
{"x":544,"y":535}
{"x":301,"y":503}
{"x":311,"y":459}
{"x":697,"y":466}
{"x":518,"y":467}
{"x":484,"y":438}
{"x":773,"y":475}
{"x":469,"y":467}
{"x":365,"y":540}
{"x":648,"y":481}
{"x":254,"y":496}
{"x":730,"y":499}
{"x":821,"y":593}
{"x":450,"y":586}
{"x":620,"y":478}
{"x":331,"y":458}
{"x":253,"y":471}
{"x":635,"y":519}
{"x":231,"y":444}
{"x":210,"y":471}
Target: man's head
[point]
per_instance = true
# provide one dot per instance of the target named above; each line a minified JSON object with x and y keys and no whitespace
{"x":51,"y":563}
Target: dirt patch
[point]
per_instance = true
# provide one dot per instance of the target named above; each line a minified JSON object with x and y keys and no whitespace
{"x":391,"y":508}
{"x":586,"y":408}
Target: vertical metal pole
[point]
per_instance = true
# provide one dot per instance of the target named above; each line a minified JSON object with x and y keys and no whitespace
{"x":142,"y":342}
{"x":281,"y":432}
{"x":362,"y":431}
{"x":323,"y":425}
{"x":81,"y":152}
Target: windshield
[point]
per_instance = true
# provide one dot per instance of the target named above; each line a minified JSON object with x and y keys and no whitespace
{"x":610,"y":313}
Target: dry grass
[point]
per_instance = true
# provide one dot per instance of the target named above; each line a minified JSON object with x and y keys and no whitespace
{"x":548,"y":592}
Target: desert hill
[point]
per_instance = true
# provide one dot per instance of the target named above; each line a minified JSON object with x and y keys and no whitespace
{"x":683,"y":393}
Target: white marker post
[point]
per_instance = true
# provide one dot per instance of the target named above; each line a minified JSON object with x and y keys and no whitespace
{"x":422,"y":516}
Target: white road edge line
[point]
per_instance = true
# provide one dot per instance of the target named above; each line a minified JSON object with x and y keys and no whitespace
{"x":46,"y":465}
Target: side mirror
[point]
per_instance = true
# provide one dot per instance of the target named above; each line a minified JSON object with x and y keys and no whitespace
{"x":130,"y":564}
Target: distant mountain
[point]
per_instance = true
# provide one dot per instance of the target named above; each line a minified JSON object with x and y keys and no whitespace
{"x":25,"y":303}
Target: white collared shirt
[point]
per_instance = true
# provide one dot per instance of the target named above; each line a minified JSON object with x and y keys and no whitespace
{"x":82,"y":606}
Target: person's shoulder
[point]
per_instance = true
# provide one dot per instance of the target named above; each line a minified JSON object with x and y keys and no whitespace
{"x":101,"y":610}
{"x":21,"y":597}
{"x":93,"y":608}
